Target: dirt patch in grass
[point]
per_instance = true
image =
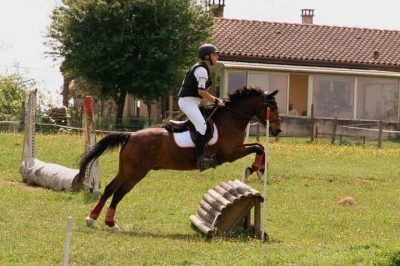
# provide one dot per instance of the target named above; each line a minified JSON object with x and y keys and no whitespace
{"x":19,"y":184}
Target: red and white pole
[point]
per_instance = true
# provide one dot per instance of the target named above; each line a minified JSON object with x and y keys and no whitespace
{"x":92,"y":175}
{"x":265,"y":179}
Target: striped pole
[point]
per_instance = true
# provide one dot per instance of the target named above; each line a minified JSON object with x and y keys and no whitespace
{"x":92,"y":174}
{"x":264,"y":204}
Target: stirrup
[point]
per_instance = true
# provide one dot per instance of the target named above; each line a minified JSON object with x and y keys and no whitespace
{"x":204,"y":162}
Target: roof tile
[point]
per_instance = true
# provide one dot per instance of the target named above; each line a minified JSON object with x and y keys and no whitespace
{"x":262,"y":41}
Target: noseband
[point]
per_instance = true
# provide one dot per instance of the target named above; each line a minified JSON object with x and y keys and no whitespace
{"x":270,"y":101}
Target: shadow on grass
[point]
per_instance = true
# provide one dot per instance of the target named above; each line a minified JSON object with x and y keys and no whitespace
{"x":91,"y":197}
{"x":394,"y":259}
{"x":198,"y":237}
{"x":195,"y":237}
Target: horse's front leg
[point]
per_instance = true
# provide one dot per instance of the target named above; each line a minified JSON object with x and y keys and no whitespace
{"x":244,"y":150}
{"x":258,"y":163}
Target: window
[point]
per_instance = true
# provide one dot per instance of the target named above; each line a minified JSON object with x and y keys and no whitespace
{"x":279,"y":82}
{"x":271,"y":82}
{"x":377,"y":98}
{"x":236,"y":80}
{"x":333,"y":96}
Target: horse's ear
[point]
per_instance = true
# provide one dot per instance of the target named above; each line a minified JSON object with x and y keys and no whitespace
{"x":272,"y":94}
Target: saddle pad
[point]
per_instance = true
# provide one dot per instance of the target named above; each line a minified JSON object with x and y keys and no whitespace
{"x":183,"y":139}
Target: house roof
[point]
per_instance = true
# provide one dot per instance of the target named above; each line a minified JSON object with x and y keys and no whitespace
{"x":307,"y":44}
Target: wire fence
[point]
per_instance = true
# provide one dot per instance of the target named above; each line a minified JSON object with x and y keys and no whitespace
{"x":330,"y":130}
{"x":347,"y":132}
{"x":336,"y":131}
{"x":102,"y":125}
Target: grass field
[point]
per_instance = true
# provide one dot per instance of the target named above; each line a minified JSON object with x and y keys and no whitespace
{"x":305,"y":222}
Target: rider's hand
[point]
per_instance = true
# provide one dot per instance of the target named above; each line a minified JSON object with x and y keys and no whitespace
{"x":219,"y":102}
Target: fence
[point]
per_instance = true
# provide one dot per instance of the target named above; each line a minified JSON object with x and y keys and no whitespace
{"x":336,"y":131}
{"x":333,"y":130}
{"x":106,"y":124}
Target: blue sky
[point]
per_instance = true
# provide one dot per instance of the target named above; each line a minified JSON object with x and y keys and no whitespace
{"x":23,"y":25}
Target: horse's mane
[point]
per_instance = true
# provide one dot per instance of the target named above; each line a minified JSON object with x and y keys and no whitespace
{"x":243,"y":93}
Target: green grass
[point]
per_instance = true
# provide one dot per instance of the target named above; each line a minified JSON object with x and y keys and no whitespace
{"x":305,"y":222}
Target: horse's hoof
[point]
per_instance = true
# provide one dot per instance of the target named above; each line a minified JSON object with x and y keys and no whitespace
{"x":90,"y":221}
{"x":260,"y":175}
{"x":247,"y":172}
{"x":115,"y":228}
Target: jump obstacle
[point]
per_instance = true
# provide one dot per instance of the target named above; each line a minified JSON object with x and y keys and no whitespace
{"x":226,"y":209}
{"x":49,"y":175}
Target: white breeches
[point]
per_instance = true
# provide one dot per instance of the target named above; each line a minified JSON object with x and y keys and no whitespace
{"x":190,"y":106}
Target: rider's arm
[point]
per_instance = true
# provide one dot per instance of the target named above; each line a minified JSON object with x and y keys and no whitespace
{"x":202,"y":77}
{"x":208,"y":97}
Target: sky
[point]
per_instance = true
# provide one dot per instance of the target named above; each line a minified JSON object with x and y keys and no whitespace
{"x":23,"y":27}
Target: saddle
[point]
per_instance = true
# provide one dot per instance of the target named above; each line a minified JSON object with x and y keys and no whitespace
{"x":186,"y":125}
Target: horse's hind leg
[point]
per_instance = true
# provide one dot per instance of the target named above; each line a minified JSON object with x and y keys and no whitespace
{"x":108,"y":191}
{"x":125,"y":187}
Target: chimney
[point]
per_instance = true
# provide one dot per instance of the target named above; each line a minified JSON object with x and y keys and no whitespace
{"x":307,"y":16}
{"x":217,"y":7}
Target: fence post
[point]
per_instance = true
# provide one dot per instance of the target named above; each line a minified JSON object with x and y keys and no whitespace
{"x":334,"y":131}
{"x":22,"y":116}
{"x":380,"y":134}
{"x":312,"y":122}
{"x":67,"y":247}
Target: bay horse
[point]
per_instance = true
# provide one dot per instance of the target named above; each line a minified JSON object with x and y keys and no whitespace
{"x":155,"y":148}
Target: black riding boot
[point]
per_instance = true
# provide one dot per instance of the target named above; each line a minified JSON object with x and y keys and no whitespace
{"x":203,"y":162}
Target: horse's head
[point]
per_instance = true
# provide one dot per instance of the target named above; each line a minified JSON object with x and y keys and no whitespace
{"x":270,"y":108}
{"x":256,"y":102}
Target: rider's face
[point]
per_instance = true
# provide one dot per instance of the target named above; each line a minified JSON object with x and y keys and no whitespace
{"x":213,"y":58}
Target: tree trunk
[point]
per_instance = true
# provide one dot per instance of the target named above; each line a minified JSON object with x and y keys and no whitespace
{"x":148,"y":103}
{"x":120,"y":101}
{"x":163,"y":107}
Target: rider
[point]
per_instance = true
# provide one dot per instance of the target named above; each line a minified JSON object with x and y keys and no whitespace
{"x":194,"y":88}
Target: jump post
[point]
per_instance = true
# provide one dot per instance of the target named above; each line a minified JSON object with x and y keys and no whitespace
{"x":260,"y":166}
{"x":48,"y":175}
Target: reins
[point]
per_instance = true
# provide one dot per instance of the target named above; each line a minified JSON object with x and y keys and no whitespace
{"x":243,"y":114}
{"x":236,"y":112}
{"x":239,"y":113}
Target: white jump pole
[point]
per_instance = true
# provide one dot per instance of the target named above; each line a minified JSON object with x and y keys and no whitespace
{"x":264,"y":204}
{"x":67,"y":248}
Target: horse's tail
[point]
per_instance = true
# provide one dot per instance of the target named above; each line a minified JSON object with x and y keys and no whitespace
{"x":109,"y":142}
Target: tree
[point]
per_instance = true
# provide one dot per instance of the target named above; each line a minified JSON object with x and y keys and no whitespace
{"x":136,"y":46}
{"x":12,"y":94}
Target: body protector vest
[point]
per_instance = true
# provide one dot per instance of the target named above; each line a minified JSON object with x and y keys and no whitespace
{"x":190,"y":84}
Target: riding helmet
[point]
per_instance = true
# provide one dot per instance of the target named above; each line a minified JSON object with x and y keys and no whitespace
{"x":206,"y":49}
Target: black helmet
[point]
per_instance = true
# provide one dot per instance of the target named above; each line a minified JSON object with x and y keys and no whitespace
{"x":206,"y":49}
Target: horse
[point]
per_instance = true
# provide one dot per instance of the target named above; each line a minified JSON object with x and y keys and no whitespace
{"x":155,"y":148}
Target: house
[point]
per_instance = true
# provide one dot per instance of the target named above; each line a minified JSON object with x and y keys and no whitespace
{"x":350,"y":73}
